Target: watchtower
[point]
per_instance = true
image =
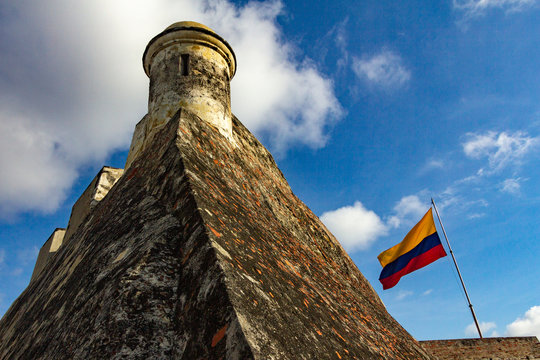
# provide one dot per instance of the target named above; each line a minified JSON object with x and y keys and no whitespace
{"x":190,"y":66}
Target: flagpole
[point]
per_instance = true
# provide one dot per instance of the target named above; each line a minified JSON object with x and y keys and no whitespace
{"x":457,"y":268}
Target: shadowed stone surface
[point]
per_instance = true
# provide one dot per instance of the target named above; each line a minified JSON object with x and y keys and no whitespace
{"x":201,"y":251}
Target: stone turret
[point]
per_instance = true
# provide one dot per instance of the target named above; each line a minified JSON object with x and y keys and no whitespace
{"x":190,"y":67}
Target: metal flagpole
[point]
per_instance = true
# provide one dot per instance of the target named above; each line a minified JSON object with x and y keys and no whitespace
{"x":457,"y":268}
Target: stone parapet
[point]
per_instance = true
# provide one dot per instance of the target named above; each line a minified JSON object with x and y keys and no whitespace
{"x":47,"y":250}
{"x":498,"y":348}
{"x":94,"y":193}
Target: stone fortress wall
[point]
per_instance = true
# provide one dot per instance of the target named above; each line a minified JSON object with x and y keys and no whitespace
{"x":94,"y":193}
{"x":522,"y":348}
{"x":190,"y":68}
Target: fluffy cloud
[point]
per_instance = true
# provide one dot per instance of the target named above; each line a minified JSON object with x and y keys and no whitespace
{"x":501,"y":149}
{"x":471,"y":330}
{"x":355,"y":227}
{"x":529,"y":325}
{"x":384,"y":69}
{"x":36,"y":174}
{"x":409,"y":208}
{"x":473,"y":8}
{"x":72,"y":85}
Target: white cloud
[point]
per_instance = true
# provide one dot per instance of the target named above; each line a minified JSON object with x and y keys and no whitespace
{"x":471,"y":330}
{"x":409,"y":208}
{"x":434,"y":164}
{"x":457,"y":198}
{"x":402,"y":294}
{"x":384,"y":69}
{"x":36,"y":174}
{"x":355,"y":227}
{"x":72,"y":85}
{"x":473,"y":8}
{"x":338,"y":38}
{"x":427,"y":292}
{"x":529,"y":325}
{"x":511,"y":186}
{"x":476,"y":216}
{"x":2,"y":256}
{"x":501,"y":149}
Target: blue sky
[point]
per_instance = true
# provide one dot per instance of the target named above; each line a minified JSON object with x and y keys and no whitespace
{"x":369,"y":108}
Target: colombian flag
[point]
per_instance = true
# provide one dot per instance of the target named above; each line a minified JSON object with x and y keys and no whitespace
{"x":421,"y":247}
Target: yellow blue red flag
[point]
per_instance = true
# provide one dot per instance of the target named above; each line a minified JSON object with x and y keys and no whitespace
{"x":419,"y":248}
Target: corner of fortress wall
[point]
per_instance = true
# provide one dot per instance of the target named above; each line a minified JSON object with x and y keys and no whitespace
{"x":94,"y":193}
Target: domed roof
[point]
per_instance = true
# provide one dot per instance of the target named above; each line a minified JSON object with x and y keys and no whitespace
{"x":186,"y":24}
{"x":183,"y":31}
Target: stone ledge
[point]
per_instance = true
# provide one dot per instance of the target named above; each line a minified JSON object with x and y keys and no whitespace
{"x":508,"y":348}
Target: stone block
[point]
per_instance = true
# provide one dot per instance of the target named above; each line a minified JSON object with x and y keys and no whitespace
{"x":47,"y":250}
{"x":94,"y":193}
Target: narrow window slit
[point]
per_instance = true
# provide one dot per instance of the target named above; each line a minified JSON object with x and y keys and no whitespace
{"x":184,"y":64}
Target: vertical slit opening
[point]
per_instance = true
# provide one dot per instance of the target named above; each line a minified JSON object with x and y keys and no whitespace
{"x":184,"y":64}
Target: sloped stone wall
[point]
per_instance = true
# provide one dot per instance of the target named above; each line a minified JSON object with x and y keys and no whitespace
{"x":202,"y":251}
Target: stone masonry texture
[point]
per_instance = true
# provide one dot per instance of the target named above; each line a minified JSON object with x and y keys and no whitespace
{"x":202,"y":251}
{"x":500,"y":348}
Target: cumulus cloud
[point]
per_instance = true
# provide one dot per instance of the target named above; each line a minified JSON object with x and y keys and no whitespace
{"x":528,"y":325}
{"x":72,"y":85}
{"x":501,"y":149}
{"x":36,"y":173}
{"x":471,"y":330}
{"x":473,"y":8}
{"x":355,"y":227}
{"x":384,"y":69}
{"x":409,"y":208}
